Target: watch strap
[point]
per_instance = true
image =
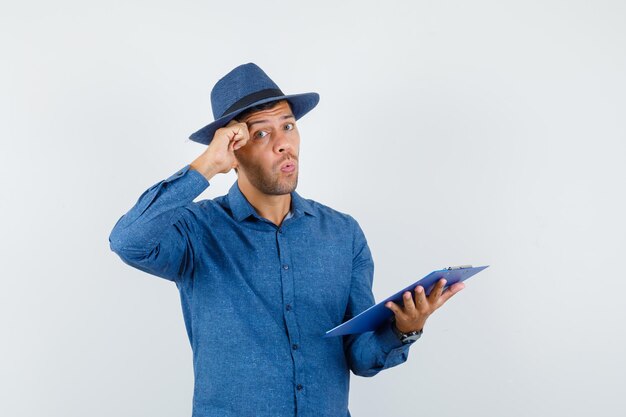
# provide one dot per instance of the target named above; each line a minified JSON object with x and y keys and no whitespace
{"x":408,"y":337}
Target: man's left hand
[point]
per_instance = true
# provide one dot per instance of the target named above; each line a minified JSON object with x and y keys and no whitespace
{"x":413,"y":315}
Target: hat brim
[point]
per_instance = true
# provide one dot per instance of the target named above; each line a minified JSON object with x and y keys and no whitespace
{"x":300,"y":104}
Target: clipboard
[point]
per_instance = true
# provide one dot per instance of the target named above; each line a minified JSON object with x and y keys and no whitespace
{"x":377,"y":314}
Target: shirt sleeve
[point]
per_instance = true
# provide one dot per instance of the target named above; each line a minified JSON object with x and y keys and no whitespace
{"x":155,"y":235}
{"x":370,"y":352}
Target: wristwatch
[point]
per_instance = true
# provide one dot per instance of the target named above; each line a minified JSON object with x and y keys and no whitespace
{"x":406,"y":338}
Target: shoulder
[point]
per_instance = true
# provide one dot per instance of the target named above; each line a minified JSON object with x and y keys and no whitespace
{"x":210,"y":208}
{"x":327,"y":214}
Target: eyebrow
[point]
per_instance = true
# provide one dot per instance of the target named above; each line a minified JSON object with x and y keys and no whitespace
{"x":287,"y":116}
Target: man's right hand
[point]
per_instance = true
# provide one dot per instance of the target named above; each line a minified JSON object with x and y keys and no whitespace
{"x":219,"y":156}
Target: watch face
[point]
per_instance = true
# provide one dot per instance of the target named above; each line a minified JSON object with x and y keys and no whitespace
{"x":406,"y":337}
{"x":410,"y":339}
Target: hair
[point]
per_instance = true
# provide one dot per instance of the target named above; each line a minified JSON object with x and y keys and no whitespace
{"x":258,"y":107}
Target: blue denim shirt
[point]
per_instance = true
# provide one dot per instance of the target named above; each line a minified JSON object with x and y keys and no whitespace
{"x":258,"y":298}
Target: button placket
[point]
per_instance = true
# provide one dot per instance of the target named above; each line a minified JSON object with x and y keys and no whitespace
{"x":287,"y":280}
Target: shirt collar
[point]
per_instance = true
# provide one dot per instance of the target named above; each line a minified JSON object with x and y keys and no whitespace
{"x":242,"y":209}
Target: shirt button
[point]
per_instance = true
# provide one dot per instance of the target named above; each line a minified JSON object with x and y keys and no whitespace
{"x":285,"y":266}
{"x":294,"y":346}
{"x":299,"y":387}
{"x":288,"y":307}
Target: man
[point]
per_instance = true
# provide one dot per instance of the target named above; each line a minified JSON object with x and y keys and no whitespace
{"x":262,"y":272}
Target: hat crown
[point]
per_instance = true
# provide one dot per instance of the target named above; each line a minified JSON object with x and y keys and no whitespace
{"x":238,"y":84}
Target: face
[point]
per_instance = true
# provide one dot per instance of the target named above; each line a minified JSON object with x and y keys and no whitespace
{"x":269,"y":161}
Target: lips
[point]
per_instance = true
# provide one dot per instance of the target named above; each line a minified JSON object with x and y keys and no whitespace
{"x":288,"y":166}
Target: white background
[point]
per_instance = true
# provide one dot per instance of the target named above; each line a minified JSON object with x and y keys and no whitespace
{"x":482,"y":132}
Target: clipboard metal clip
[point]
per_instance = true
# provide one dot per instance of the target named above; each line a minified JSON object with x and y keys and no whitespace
{"x":458,"y":267}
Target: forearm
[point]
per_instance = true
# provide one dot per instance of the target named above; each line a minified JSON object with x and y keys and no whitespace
{"x":138,"y":231}
{"x":371,"y":352}
{"x":205,"y":166}
{"x":368,"y":353}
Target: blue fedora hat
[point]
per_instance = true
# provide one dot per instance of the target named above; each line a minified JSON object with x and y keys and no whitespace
{"x":245,"y":87}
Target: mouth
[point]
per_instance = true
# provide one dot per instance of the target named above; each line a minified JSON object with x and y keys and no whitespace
{"x":288,"y":166}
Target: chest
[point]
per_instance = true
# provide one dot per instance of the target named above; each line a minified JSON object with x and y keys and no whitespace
{"x":307,"y":269}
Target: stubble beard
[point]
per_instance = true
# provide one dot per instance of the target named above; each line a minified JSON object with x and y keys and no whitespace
{"x":274,"y":183}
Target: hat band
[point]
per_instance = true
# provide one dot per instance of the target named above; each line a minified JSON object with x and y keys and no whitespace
{"x":251,"y":98}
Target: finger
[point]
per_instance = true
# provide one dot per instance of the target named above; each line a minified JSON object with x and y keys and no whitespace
{"x":234,"y":135}
{"x":436,"y":292}
{"x":409,"y":305}
{"x":239,"y":137}
{"x":231,"y":130}
{"x":395,"y":308}
{"x":234,"y":127}
{"x":243,"y":134}
{"x":236,"y":132}
{"x":420,"y":296}
{"x":241,"y":142}
{"x":451,"y":291}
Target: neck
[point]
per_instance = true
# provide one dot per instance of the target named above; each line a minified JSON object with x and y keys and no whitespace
{"x":271,"y":207}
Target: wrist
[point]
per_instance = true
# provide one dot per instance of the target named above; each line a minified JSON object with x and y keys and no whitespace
{"x":418,"y":327}
{"x":207,"y":170}
{"x":408,"y":336}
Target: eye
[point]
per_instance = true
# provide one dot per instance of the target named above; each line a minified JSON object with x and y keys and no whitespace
{"x":289,"y":126}
{"x":260,"y":134}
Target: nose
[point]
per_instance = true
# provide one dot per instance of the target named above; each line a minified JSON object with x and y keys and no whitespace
{"x":283,"y":143}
